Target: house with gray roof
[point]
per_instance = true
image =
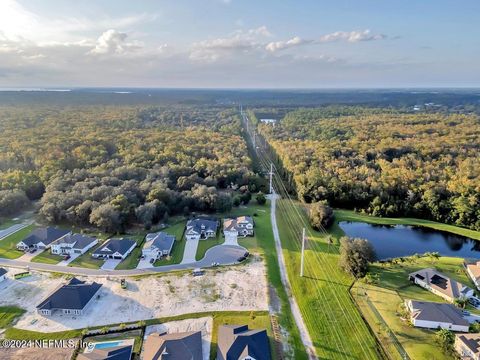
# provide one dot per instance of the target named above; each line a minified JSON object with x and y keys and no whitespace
{"x":70,"y":299}
{"x":237,"y":342}
{"x":102,"y":351}
{"x":432,"y":315}
{"x":72,"y":244}
{"x":441,"y":285}
{"x":115,"y":249}
{"x":175,"y":346}
{"x":201,"y":229}
{"x":41,"y":238}
{"x":468,"y":346}
{"x":239,"y":226}
{"x":158,"y":245}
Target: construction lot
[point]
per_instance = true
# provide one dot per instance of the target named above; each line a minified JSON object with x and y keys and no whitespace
{"x":236,"y":289}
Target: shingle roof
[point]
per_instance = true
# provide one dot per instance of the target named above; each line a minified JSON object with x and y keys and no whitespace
{"x":80,"y":241}
{"x":3,"y":271}
{"x":74,"y":295}
{"x":472,"y":341}
{"x":438,"y":312}
{"x":237,"y":342}
{"x":160,"y":240}
{"x":232,"y":224}
{"x":115,"y":245}
{"x":175,"y":346}
{"x":45,"y":235}
{"x":441,"y":283}
{"x":474,"y":269}
{"x":197,"y":224}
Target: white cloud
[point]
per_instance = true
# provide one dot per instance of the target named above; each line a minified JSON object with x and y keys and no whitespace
{"x":352,"y":36}
{"x":281,"y":45}
{"x":114,"y":42}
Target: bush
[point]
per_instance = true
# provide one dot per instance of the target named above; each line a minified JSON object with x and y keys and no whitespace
{"x":355,"y":256}
{"x":320,"y":215}
{"x":261,"y":199}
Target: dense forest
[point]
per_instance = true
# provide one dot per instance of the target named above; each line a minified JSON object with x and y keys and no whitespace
{"x":384,"y":161}
{"x":115,"y":166}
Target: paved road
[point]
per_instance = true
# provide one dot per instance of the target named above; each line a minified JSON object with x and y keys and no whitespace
{"x":302,"y":328}
{"x":222,"y":254}
{"x":11,"y":230}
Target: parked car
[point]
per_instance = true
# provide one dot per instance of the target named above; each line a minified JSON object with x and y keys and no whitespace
{"x":123,"y":283}
{"x":32,"y":250}
{"x":66,"y":257}
{"x":152,"y":260}
{"x":197,"y":272}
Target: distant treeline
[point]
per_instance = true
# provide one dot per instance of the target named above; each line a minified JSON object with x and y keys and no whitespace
{"x":115,"y":166}
{"x":385,"y":162}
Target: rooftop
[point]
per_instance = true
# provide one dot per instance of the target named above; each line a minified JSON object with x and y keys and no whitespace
{"x":438,"y":312}
{"x":175,"y":346}
{"x":472,"y":341}
{"x":115,"y":245}
{"x":441,"y":283}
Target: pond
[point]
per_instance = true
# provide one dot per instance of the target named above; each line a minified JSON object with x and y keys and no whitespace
{"x":401,"y":240}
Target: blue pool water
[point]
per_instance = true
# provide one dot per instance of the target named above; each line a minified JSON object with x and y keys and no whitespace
{"x":107,"y":345}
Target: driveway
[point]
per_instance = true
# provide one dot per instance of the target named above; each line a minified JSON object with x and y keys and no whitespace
{"x":145,"y":263}
{"x":66,"y":262}
{"x":190,"y":252}
{"x":28,"y":256}
{"x":231,"y":239}
{"x":110,"y":264}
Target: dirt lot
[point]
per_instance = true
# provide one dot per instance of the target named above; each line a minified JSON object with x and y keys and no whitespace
{"x":242,"y":288}
{"x":36,"y":354}
{"x":201,"y":324}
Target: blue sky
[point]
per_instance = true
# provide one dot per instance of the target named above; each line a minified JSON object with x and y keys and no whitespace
{"x":240,"y":43}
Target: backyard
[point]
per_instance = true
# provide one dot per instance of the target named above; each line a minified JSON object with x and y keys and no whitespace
{"x":8,"y":245}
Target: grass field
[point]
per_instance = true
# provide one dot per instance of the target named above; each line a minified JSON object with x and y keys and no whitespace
{"x":204,"y":245}
{"x":87,"y":261}
{"x":46,"y":257}
{"x":131,"y":261}
{"x":8,"y":245}
{"x":333,"y":321}
{"x":349,"y":215}
{"x":8,"y":315}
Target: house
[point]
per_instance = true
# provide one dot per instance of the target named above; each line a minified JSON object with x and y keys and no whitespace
{"x":240,"y":226}
{"x":268,"y":121}
{"x":201,"y":229}
{"x":468,"y":346}
{"x":115,"y":249}
{"x":41,"y":238}
{"x":175,"y":346}
{"x":70,"y":299}
{"x":441,"y":285}
{"x":119,"y":350}
{"x":237,"y":342}
{"x":72,"y":244}
{"x":3,"y":274}
{"x":433,"y":315}
{"x":158,"y":245}
{"x":473,"y":271}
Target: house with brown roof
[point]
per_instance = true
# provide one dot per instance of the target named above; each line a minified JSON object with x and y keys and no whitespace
{"x":174,"y":346}
{"x":473,"y":271}
{"x":239,"y":226}
{"x":441,"y":285}
{"x":432,"y":315}
{"x":468,"y":346}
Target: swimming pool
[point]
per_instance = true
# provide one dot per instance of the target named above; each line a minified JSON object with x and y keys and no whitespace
{"x":106,"y":345}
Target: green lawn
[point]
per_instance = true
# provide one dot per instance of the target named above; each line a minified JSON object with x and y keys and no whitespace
{"x":8,"y":245}
{"x":87,"y":261}
{"x":47,"y":258}
{"x":177,"y":229}
{"x":334,"y":323}
{"x":394,"y":288}
{"x":204,"y":245}
{"x":349,"y":215}
{"x":8,"y":315}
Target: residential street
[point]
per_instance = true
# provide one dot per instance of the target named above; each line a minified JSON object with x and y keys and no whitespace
{"x":222,"y":254}
{"x":307,"y":341}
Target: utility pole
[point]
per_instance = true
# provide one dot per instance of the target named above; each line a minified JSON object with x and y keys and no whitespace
{"x":271,"y":178}
{"x":303,"y":253}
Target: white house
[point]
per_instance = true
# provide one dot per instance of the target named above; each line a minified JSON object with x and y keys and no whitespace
{"x":441,"y":285}
{"x":115,"y":249}
{"x":72,"y":244}
{"x":201,"y":229}
{"x":473,"y":271}
{"x":3,"y":274}
{"x":269,"y":121}
{"x":431,"y":315}
{"x":468,"y":346}
{"x":41,"y":238}
{"x":240,"y":226}
{"x":158,"y":245}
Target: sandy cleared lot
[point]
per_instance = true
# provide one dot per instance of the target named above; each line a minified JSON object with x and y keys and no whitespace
{"x":242,"y":288}
{"x":36,"y":354}
{"x":203,"y":324}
